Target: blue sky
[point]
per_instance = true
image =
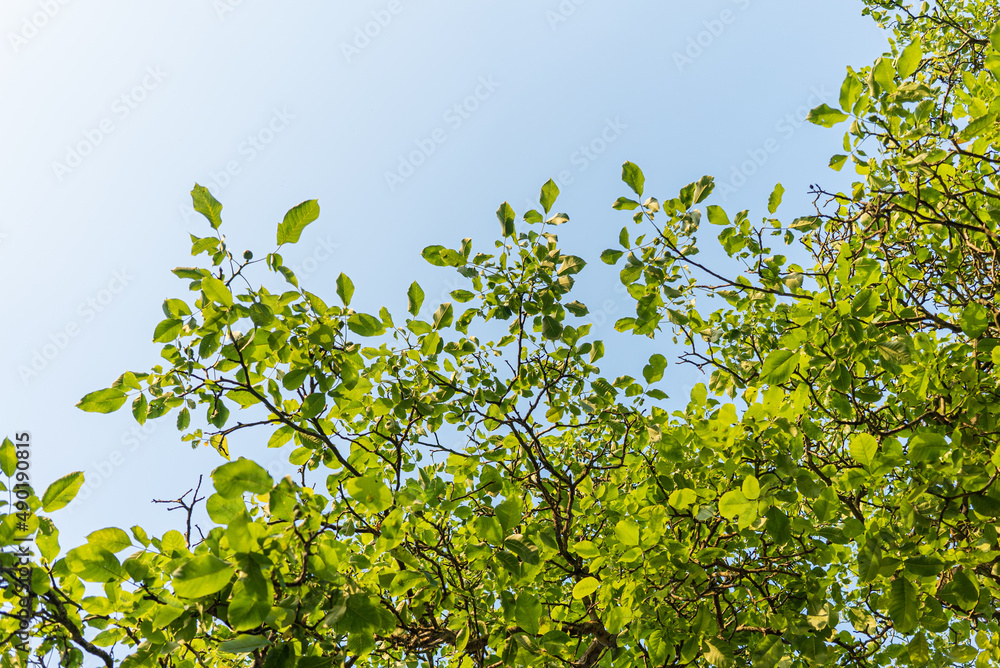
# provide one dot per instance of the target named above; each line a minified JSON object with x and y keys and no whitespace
{"x":409,"y":121}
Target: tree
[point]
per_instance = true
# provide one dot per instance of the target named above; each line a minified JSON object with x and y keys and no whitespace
{"x":830,"y":497}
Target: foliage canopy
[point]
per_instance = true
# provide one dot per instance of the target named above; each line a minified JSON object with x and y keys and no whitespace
{"x":831,"y":497}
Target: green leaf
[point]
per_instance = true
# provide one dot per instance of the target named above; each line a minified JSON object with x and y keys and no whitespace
{"x":774,"y":201}
{"x":406,"y":580}
{"x":433,"y":255}
{"x":925,"y":566}
{"x":527,"y":612}
{"x":963,"y":590}
{"x":779,"y":366}
{"x":62,"y":491}
{"x":532,"y":216}
{"x":850,"y":90}
{"x":217,"y":291}
{"x":717,"y":215}
{"x":243,"y":475}
{"x":243,"y":644}
{"x":363,"y":615}
{"x":526,"y":553}
{"x":624,"y":324}
{"x":585,"y":587}
{"x":296,"y":220}
{"x":167,"y":331}
{"x":992,"y":63}
{"x":261,"y":314}
{"x":909,"y":60}
{"x":207,"y":205}
{"x":223,"y":510}
{"x":8,"y":458}
{"x":204,"y":245}
{"x":506,"y":216}
{"x":826,"y":116}
{"x":364,"y":324}
{"x":165,"y":614}
{"x":702,"y":188}
{"x":250,"y":601}
{"x":313,"y":405}
{"x":919,"y":650}
{"x":995,"y":37}
{"x":175,"y":308}
{"x":509,"y":513}
{"x":627,"y":532}
{"x":653,"y":371}
{"x":415,"y":297}
{"x":192,"y":273}
{"x":863,"y":449}
{"x":624,"y":203}
{"x":370,"y":491}
{"x":718,"y":653}
{"x":111,"y":539}
{"x":293,"y":380}
{"x":735,"y":503}
{"x":778,"y":526}
{"x":770,"y":652}
{"x":345,"y":289}
{"x":550,"y":191}
{"x":975,"y":320}
{"x":683,"y":498}
{"x":102,"y":401}
{"x":978,"y":127}
{"x":570,"y":265}
{"x":288,"y":274}
{"x":201,"y":576}
{"x":806,"y":223}
{"x":617,"y":618}
{"x":926,"y":446}
{"x":985,"y":505}
{"x":587,"y":549}
{"x":751,"y":488}
{"x":93,"y":563}
{"x":837,"y":162}
{"x":633,"y":178}
{"x":443,"y":316}
{"x":611,"y":256}
{"x":865,"y":303}
{"x":884,"y":74}
{"x":488,"y":528}
{"x":903,"y":605}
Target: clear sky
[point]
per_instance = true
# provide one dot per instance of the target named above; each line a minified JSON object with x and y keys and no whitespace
{"x":409,"y":121}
